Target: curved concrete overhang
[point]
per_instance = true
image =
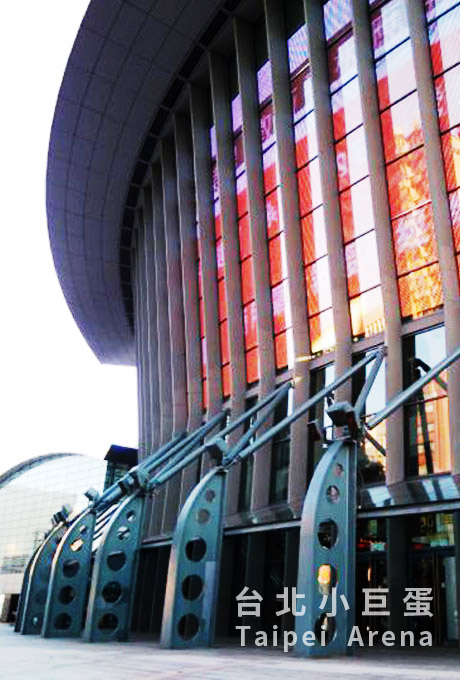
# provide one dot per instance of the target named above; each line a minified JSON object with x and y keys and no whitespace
{"x":129,"y":62}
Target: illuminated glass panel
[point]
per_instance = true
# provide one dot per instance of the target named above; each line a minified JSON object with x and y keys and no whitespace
{"x":318,"y":286}
{"x":252,"y":366}
{"x":279,"y":307}
{"x":204,"y":362}
{"x":309,"y":184}
{"x":267,"y":129}
{"x":238,"y":152}
{"x":389,"y":26}
{"x":367,"y":313}
{"x":346,"y":109}
{"x":250,"y":325}
{"x":451,"y":152}
{"x":420,"y":291}
{"x":356,"y":210}
{"x":351,"y":156}
{"x":342,"y":62}
{"x":270,"y":169}
{"x":322,"y":334}
{"x":242,"y":194}
{"x":445,"y":48}
{"x":362,"y":264}
{"x":244,"y":237}
{"x":314,"y":236}
{"x":395,"y":75}
{"x":237,"y":113}
{"x":247,"y":281}
{"x":222,"y":300}
{"x":264,"y":82}
{"x":306,"y":145}
{"x":302,"y":94}
{"x":226,"y":380}
{"x":414,"y":240}
{"x":281,"y":351}
{"x":454,"y":200}
{"x":224,"y":346}
{"x":337,"y":15}
{"x":448,"y":98}
{"x":217,"y":219}
{"x":401,"y":128}
{"x":273,"y":217}
{"x":275,"y":258}
{"x":220,"y":259}
{"x":436,"y":7}
{"x":408,"y":183}
{"x":297,"y":49}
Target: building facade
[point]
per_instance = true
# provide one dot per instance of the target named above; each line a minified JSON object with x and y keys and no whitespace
{"x":242,"y":193}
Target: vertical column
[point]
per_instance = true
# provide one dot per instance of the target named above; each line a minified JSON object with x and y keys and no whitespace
{"x":188,"y":245}
{"x":163,"y":337}
{"x":138,"y":340}
{"x":397,"y":547}
{"x":282,"y":109}
{"x":440,"y":205}
{"x":203,"y":188}
{"x":328,"y":174}
{"x":144,"y":339}
{"x":151,"y":319}
{"x":383,"y":233}
{"x":247,"y":80}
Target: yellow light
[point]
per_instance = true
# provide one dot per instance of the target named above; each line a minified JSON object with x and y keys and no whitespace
{"x":324,"y":574}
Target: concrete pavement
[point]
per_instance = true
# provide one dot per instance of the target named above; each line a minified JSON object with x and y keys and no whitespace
{"x":33,"y":658}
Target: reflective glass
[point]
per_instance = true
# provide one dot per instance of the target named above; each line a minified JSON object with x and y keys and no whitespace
{"x":362,"y":261}
{"x":356,"y":210}
{"x":414,"y":240}
{"x":297,"y":49}
{"x":244,"y":237}
{"x":274,"y":225}
{"x":250,"y":325}
{"x":217,"y":219}
{"x":226,"y":381}
{"x":238,"y":151}
{"x":367,"y":313}
{"x":306,"y":146}
{"x":220,"y":259}
{"x":205,"y":394}
{"x":267,"y":130}
{"x":445,"y":48}
{"x":451,"y":151}
{"x":247,"y":281}
{"x":222,"y":300}
{"x":270,"y":161}
{"x":401,"y":127}
{"x":264,"y":82}
{"x":318,"y":286}
{"x":302,"y":94}
{"x":275,"y":258}
{"x":448,"y":98}
{"x":224,"y":346}
{"x":204,"y":361}
{"x":237,"y":113}
{"x":454,"y":200}
{"x":278,"y":304}
{"x":346,"y":109}
{"x":395,"y":75}
{"x":420,"y":291}
{"x":322,"y":335}
{"x":212,"y":137}
{"x":407,"y":183}
{"x":242,"y":194}
{"x":281,"y":352}
{"x":337,"y":15}
{"x":215,"y":182}
{"x":342,"y":62}
{"x":351,"y":158}
{"x":252,"y":365}
{"x":436,"y":7}
{"x":309,"y":183}
{"x":202,"y":326}
{"x":314,"y":236}
{"x":389,"y":26}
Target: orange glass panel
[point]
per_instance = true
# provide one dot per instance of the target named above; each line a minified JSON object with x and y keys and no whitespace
{"x":314,"y":236}
{"x":281,"y":357}
{"x":220,"y":259}
{"x":362,"y":260}
{"x":306,"y":147}
{"x":445,"y":47}
{"x":245,"y":237}
{"x":448,"y":98}
{"x":217,"y":219}
{"x":408,"y":183}
{"x":269,"y":160}
{"x":226,"y":381}
{"x":204,"y":361}
{"x":224,"y":342}
{"x":250,"y":325}
{"x":414,"y":240}
{"x":252,"y":365}
{"x":274,"y":225}
{"x":356,"y":210}
{"x":401,"y":127}
{"x":247,"y":280}
{"x":205,"y":394}
{"x":279,"y":307}
{"x":346,"y":109}
{"x":420,"y":292}
{"x":455,"y":215}
{"x":242,"y":194}
{"x":309,"y":184}
{"x":395,"y":75}
{"x":351,"y":159}
{"x":451,"y":152}
{"x":276,"y":263}
{"x":322,"y":334}
{"x":318,"y":286}
{"x":367,"y":313}
{"x":222,"y":302}
{"x":202,"y":326}
{"x":200,"y":279}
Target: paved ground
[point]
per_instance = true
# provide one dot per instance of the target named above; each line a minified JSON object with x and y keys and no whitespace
{"x":33,"y":658}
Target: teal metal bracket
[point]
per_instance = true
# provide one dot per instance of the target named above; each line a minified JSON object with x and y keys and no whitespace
{"x":189,"y":614}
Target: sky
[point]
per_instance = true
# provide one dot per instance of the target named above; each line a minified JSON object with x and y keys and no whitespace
{"x":55,"y":396}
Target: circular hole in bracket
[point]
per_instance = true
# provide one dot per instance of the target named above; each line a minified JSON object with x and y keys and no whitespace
{"x":196,"y":549}
{"x":210,"y":495}
{"x":108,"y":623}
{"x":333,"y":494}
{"x":338,"y":470}
{"x":203,"y":515}
{"x":192,"y":587}
{"x":325,"y":629}
{"x":62,"y":622}
{"x":131,"y":516}
{"x":326,"y":577}
{"x":123,"y":533}
{"x":188,"y":626}
{"x":328,"y":533}
{"x":112,"y":592}
{"x":66,"y":595}
{"x":116,"y":560}
{"x":70,"y":568}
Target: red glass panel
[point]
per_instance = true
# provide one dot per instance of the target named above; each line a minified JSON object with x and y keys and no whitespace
{"x":389,"y":26}
{"x":224,"y":342}
{"x":278,"y":303}
{"x":342,"y":62}
{"x":220,"y":259}
{"x":367,"y":314}
{"x":275,"y":258}
{"x":250,"y":325}
{"x":222,"y":300}
{"x":451,"y":151}
{"x":314,"y":236}
{"x":238,"y":151}
{"x":420,"y":291}
{"x":318,"y":286}
{"x":200,"y":279}
{"x":395,"y":75}
{"x":351,"y":158}
{"x":267,"y":131}
{"x":269,"y":160}
{"x":306,"y":146}
{"x":407,"y":183}
{"x":309,"y":183}
{"x":356,"y":210}
{"x":401,"y":127}
{"x":322,"y":335}
{"x":445,"y":47}
{"x":202,"y":326}
{"x":273,"y":216}
{"x":346,"y":109}
{"x":226,"y":381}
{"x":247,"y":281}
{"x":242,"y":194}
{"x":302,"y":94}
{"x":337,"y":14}
{"x":264,"y":82}
{"x":362,"y":260}
{"x":281,"y":357}
{"x":252,"y":365}
{"x":414,"y":240}
{"x":245,"y":237}
{"x":455,"y":215}
{"x":217,"y":219}
{"x":205,"y":394}
{"x":204,"y":360}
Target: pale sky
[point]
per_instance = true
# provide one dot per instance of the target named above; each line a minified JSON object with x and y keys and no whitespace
{"x":54,"y":394}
